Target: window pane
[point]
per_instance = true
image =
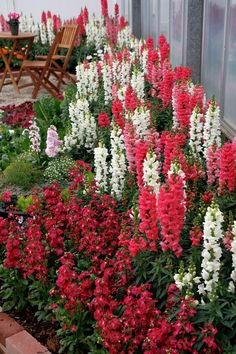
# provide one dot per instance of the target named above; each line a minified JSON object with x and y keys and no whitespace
{"x":176,"y":36}
{"x":213,"y":51}
{"x":164,"y":18}
{"x":230,"y":90}
{"x":154,"y":19}
{"x":145,"y":18}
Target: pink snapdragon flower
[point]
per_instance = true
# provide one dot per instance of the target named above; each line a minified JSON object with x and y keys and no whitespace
{"x":53,"y":142}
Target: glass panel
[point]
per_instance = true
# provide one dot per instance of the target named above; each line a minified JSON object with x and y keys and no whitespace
{"x":145,"y":18}
{"x":176,"y":35}
{"x":154,"y":19}
{"x":230,"y":85}
{"x":164,"y":18}
{"x":213,"y":51}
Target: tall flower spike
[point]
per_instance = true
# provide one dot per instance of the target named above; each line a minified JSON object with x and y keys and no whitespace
{"x":196,"y":132}
{"x":53,"y":142}
{"x":148,"y":215}
{"x":100,"y":164}
{"x":211,"y":254}
{"x":227,"y":174}
{"x":233,"y":251}
{"x":171,"y":210}
{"x":211,"y":130}
{"x":34,"y":135}
{"x":118,"y":162}
{"x":150,"y":172}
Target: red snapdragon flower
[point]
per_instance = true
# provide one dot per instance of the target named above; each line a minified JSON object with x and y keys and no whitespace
{"x":103,"y":120}
{"x":171,"y":211}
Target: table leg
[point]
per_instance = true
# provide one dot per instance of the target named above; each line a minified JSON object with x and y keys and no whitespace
{"x":31,"y":41}
{"x":8,"y":69}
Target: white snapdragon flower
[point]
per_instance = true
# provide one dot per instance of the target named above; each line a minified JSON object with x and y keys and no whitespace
{"x":100,"y":164}
{"x":107,"y":82}
{"x":87,"y":81}
{"x":23,"y":26}
{"x":196,"y":132}
{"x":138,"y":83}
{"x":83,"y":127}
{"x":124,"y":37}
{"x":150,"y":172}
{"x":121,"y":71}
{"x":144,"y":60}
{"x":185,"y":281}
{"x":211,"y":254}
{"x":118,"y":166}
{"x":233,"y":251}
{"x":50,"y":30}
{"x":95,"y":32}
{"x":43,"y":33}
{"x":211,"y":129}
{"x":141,"y":119}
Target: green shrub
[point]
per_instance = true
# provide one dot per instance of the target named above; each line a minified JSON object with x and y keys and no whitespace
{"x":22,"y":173}
{"x":23,"y":203}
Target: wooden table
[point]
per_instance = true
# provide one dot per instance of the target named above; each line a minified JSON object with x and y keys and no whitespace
{"x":22,"y":36}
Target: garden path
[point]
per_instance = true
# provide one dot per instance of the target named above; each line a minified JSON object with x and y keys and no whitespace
{"x":8,"y":96}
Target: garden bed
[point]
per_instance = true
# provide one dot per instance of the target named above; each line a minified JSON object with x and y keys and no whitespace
{"x":44,"y":332}
{"x":129,"y":246}
{"x":15,"y":339}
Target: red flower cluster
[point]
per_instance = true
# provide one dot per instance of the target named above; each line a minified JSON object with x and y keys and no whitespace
{"x":20,"y":115}
{"x":227,"y":175}
{"x":6,"y":197}
{"x":171,"y":212}
{"x":148,"y":216}
{"x":103,"y":120}
{"x":117,"y":111}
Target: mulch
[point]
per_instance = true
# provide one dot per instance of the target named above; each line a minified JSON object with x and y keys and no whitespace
{"x":44,"y":332}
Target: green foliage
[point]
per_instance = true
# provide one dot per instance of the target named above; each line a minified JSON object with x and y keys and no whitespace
{"x":13,"y":290}
{"x":48,"y":111}
{"x":58,"y":169}
{"x":75,"y":329}
{"x":24,"y":202}
{"x":69,"y":96}
{"x":12,"y":143}
{"x":83,"y":51}
{"x":22,"y":173}
{"x":65,"y":194}
{"x":38,"y":299}
{"x":39,"y":49}
{"x":158,"y":271}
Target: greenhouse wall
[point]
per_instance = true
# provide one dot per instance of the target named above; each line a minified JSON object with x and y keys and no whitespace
{"x":202,"y":35}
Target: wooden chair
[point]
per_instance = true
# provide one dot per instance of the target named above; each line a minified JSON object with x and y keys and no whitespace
{"x":39,"y":70}
{"x":62,"y":54}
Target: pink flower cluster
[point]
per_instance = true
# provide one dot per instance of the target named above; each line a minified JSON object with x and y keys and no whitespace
{"x":13,"y":17}
{"x":53,"y":142}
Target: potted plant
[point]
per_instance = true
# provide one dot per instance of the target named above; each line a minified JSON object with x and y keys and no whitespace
{"x":13,"y":23}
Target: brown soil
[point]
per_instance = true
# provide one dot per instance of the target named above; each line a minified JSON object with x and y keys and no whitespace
{"x":44,"y":332}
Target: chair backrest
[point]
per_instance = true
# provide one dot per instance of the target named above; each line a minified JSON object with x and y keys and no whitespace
{"x":67,"y":41}
{"x":69,"y":36}
{"x":55,"y":43}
